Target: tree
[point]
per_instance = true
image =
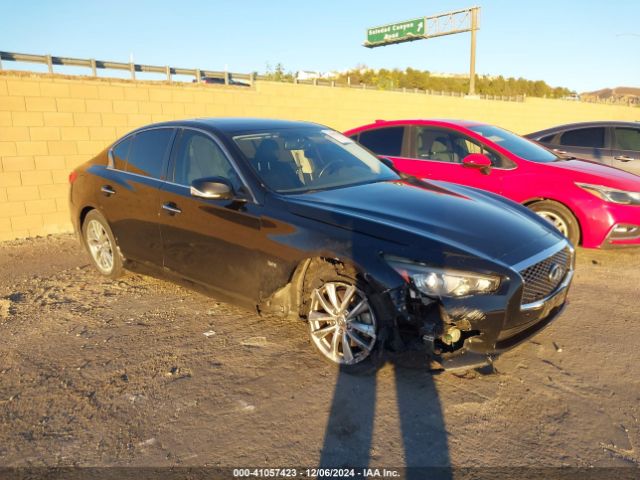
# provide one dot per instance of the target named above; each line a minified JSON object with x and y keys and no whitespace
{"x":411,"y":78}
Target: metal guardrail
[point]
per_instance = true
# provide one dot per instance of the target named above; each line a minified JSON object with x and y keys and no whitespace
{"x":224,"y":77}
{"x":94,"y":65}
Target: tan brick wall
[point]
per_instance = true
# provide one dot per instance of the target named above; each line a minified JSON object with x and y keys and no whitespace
{"x":51,"y":123}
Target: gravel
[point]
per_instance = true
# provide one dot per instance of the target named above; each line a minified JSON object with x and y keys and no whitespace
{"x":95,"y":372}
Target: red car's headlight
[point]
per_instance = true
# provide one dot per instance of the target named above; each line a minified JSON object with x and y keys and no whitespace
{"x":612,"y":195}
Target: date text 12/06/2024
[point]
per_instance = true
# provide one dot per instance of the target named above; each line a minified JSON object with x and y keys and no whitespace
{"x":315,"y":473}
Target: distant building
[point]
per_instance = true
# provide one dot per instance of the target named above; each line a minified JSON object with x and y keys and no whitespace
{"x":309,"y":75}
{"x":619,"y":95}
{"x":449,"y":75}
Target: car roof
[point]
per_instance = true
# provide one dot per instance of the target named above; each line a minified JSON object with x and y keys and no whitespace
{"x":595,"y":123}
{"x":236,"y":124}
{"x":427,"y":121}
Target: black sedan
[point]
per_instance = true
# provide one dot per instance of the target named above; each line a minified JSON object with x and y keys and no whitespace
{"x":616,"y":144}
{"x":296,"y":219}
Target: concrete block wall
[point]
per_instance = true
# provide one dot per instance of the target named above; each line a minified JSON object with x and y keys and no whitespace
{"x":49,"y":124}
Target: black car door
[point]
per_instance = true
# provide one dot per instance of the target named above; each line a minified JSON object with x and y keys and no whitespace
{"x":212,"y":242}
{"x":130,"y":192}
{"x":626,"y":149}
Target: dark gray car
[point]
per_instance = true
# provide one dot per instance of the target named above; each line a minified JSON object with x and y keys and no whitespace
{"x":612,"y":143}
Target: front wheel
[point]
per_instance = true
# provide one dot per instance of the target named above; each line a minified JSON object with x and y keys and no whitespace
{"x":101,"y":245}
{"x":560,"y":217}
{"x":343,"y":325}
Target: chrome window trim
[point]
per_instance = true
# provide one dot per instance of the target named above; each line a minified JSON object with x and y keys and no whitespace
{"x":137,"y":175}
{"x":225,"y":152}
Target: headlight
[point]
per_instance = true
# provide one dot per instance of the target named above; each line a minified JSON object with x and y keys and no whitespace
{"x":612,"y":195}
{"x":439,"y":282}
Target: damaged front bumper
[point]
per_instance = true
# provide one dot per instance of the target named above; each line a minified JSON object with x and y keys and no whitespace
{"x":469,"y":332}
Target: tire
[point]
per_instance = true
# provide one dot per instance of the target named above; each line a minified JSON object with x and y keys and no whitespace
{"x":101,"y":245}
{"x":560,"y":217}
{"x":348,"y":333}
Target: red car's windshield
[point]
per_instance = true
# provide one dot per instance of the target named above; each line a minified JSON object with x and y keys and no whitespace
{"x":515,"y":144}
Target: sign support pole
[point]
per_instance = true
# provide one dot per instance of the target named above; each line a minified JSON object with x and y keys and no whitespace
{"x":472,"y":66}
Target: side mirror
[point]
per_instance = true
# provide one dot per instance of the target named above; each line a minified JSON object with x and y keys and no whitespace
{"x":479,"y":161}
{"x":476,"y":160}
{"x":212,"y":188}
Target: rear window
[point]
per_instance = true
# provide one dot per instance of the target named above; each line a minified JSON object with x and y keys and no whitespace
{"x":148,"y":152}
{"x":121,"y":154}
{"x":383,"y":141}
{"x":583,"y":137}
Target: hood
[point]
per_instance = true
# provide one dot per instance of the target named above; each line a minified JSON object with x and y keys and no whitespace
{"x":596,"y":173}
{"x":406,"y":212}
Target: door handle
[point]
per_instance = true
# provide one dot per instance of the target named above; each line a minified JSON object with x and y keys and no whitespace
{"x":623,"y":158}
{"x":172,"y":208}
{"x":561,"y":152}
{"x":107,"y":190}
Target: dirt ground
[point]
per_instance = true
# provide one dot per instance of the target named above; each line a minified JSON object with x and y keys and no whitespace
{"x":140,"y":372}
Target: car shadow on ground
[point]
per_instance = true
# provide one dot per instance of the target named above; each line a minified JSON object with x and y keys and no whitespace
{"x":349,"y":431}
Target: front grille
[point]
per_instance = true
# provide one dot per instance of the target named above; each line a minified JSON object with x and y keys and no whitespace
{"x":539,"y":282}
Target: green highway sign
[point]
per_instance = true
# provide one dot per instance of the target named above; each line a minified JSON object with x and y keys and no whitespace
{"x":396,"y":33}
{"x":449,"y":23}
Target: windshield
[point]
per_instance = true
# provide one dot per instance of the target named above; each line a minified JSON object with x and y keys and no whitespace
{"x":515,"y":144}
{"x":300,"y":160}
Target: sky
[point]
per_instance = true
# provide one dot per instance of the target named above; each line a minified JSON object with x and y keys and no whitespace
{"x":580,"y":44}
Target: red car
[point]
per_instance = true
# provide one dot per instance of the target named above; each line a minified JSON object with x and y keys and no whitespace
{"x":591,"y":204}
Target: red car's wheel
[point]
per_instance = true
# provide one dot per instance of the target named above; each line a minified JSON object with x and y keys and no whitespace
{"x":560,"y":217}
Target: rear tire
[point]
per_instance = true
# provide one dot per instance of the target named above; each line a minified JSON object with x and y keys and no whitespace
{"x":560,"y":217}
{"x":345,"y":326}
{"x":101,"y":245}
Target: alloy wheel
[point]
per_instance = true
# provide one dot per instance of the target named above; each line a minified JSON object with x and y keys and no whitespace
{"x":556,"y":220}
{"x":100,"y":246}
{"x":342,"y":323}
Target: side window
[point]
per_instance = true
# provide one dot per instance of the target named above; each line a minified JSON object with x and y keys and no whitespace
{"x":198,"y":156}
{"x":435,"y":144}
{"x":148,"y":152}
{"x":445,"y":146}
{"x":627,"y":139}
{"x":548,"y":138}
{"x":584,"y":137}
{"x":383,"y":141}
{"x":497,"y":160}
{"x":121,"y":154}
{"x":465,"y":146}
